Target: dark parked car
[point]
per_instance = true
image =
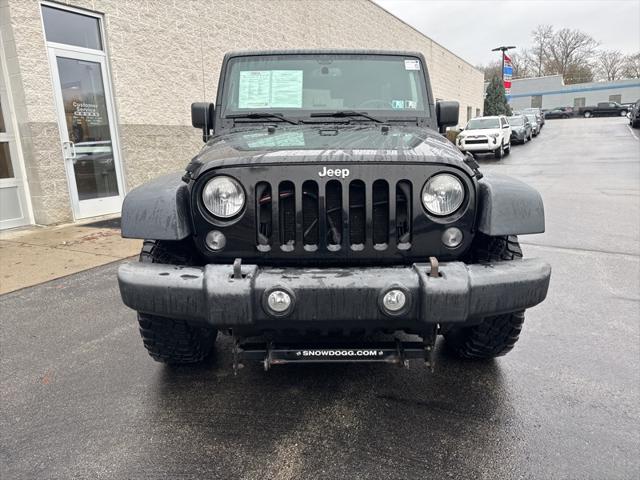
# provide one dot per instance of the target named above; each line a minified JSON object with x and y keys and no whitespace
{"x":604,"y":109}
{"x":521,"y":129}
{"x":326,"y":209}
{"x":634,"y":115}
{"x":559,"y":112}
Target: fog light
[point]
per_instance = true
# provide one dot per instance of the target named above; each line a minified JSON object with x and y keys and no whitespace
{"x":452,"y":237}
{"x":279,"y":301}
{"x":394,"y":300}
{"x":215,"y":240}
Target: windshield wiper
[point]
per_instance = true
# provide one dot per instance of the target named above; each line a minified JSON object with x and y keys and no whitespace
{"x":256,"y":115}
{"x":346,"y":114}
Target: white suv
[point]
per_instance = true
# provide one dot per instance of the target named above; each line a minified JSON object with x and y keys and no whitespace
{"x":486,"y":135}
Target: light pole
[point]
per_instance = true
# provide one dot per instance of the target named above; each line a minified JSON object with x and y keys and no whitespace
{"x":502,"y":49}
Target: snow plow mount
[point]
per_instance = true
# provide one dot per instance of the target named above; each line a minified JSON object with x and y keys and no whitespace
{"x":271,"y":353}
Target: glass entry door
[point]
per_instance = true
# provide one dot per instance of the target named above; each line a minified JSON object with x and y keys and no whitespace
{"x":87,"y":132}
{"x":13,"y":202}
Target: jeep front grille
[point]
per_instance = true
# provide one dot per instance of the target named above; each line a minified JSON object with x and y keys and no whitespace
{"x":334,"y":215}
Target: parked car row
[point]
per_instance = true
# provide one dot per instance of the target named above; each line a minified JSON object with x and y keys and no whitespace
{"x":602,"y":109}
{"x":496,"y":134}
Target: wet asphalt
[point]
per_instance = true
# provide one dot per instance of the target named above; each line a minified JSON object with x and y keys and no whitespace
{"x":80,"y":398}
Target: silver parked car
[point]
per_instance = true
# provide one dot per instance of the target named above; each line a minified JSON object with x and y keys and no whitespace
{"x":521,"y":129}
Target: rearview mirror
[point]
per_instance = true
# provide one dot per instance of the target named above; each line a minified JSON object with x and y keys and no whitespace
{"x":202,"y":116}
{"x":447,"y":114}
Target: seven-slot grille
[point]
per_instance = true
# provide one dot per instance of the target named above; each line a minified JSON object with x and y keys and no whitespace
{"x":334,"y":215}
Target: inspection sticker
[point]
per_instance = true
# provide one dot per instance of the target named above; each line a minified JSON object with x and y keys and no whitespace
{"x":412,"y":64}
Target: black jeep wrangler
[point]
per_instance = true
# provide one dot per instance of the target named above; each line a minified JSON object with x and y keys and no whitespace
{"x":328,"y":219}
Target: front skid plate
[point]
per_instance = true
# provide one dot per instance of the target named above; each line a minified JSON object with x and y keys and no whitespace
{"x":372,"y":352}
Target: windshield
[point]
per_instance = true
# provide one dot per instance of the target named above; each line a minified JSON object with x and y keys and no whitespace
{"x":532,"y":118}
{"x":516,"y":121}
{"x":298,"y":85}
{"x":479,"y":123}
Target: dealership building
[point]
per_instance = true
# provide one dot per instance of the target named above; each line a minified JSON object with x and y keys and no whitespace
{"x":550,"y":92}
{"x":96,"y":94}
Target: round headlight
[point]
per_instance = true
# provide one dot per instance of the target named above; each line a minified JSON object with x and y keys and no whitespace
{"x":223,"y":196}
{"x":443,"y":194}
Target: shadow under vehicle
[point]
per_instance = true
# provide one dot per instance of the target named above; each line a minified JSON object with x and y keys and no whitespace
{"x":325,"y":209}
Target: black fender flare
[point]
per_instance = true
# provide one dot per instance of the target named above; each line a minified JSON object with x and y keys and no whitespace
{"x":507,"y":206}
{"x":158,"y":210}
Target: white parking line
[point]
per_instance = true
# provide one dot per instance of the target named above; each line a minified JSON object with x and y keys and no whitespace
{"x":633,"y":133}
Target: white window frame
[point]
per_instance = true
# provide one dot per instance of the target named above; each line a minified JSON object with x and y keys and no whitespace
{"x":56,"y":47}
{"x":11,"y":135}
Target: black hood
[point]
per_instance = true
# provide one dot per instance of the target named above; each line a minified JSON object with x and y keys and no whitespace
{"x":299,"y":144}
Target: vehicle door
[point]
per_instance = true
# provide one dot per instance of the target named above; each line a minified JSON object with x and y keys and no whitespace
{"x":506,"y":128}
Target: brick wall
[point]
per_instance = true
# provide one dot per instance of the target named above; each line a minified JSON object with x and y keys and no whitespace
{"x":166,"y":54}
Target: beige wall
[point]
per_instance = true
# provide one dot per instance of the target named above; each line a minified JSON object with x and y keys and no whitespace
{"x":158,"y":51}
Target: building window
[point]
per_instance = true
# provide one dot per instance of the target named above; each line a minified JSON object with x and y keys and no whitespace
{"x":469,"y":110}
{"x":71,"y":28}
{"x":536,"y":101}
{"x":615,"y":98}
{"x":579,"y":102}
{"x":477,"y":112}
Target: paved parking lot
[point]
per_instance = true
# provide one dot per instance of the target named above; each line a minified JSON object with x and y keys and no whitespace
{"x":81,"y":398}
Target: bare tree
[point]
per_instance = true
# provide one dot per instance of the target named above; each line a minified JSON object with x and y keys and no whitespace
{"x":570,"y":49}
{"x":538,"y":55}
{"x":520,"y":63}
{"x":611,"y":64}
{"x":632,"y":66}
{"x":578,"y":73}
{"x":491,"y":70}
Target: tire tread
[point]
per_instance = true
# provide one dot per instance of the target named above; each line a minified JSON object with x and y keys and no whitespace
{"x":168,"y":340}
{"x":496,"y":335}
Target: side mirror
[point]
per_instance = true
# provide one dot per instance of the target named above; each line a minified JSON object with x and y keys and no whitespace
{"x":447,"y":114}
{"x":506,"y":126}
{"x":202,"y":116}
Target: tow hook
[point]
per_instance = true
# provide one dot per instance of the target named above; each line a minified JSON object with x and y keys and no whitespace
{"x":237,"y":268}
{"x":433,"y":261}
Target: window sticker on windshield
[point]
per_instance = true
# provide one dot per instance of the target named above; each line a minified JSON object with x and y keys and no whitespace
{"x":397,"y":104}
{"x":266,"y":140}
{"x":270,"y":89}
{"x":286,"y":88}
{"x":412,"y":65}
{"x":254,"y":90}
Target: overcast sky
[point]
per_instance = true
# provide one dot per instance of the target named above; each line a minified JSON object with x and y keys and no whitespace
{"x":471,"y":28}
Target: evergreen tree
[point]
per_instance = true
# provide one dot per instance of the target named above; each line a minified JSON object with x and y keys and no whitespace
{"x":495,"y":101}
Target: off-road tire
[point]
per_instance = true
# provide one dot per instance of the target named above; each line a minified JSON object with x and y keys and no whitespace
{"x":168,"y":340}
{"x":508,"y":150}
{"x":497,"y":335}
{"x":499,"y":152}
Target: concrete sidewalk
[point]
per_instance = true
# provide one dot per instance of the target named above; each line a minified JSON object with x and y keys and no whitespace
{"x":32,"y":255}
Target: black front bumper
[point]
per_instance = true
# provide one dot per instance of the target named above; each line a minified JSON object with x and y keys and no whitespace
{"x":518,"y":136}
{"x":342,"y":298}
